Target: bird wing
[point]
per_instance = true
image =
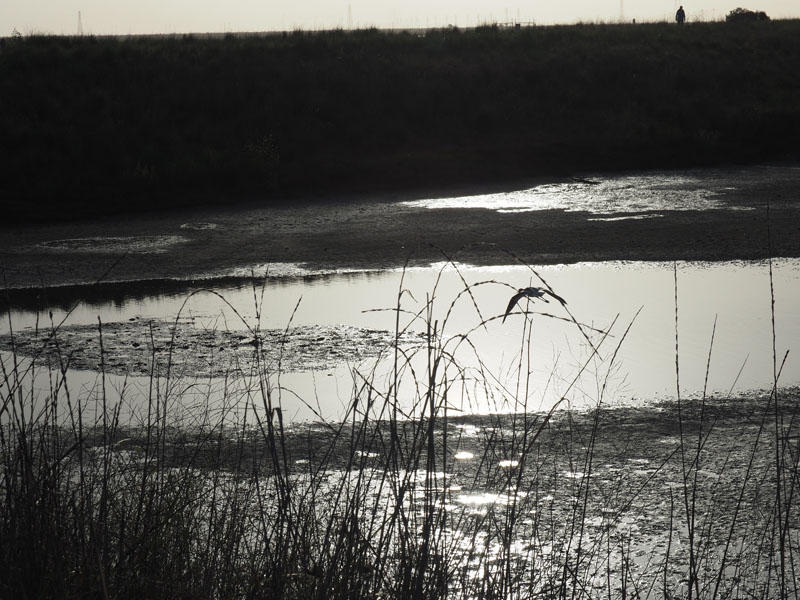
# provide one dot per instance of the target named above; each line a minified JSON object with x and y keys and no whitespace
{"x":514,"y":299}
{"x":535,"y":292}
{"x":556,"y":296}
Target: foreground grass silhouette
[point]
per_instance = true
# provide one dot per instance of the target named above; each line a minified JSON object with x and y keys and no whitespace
{"x":403,"y":498}
{"x":152,"y":122}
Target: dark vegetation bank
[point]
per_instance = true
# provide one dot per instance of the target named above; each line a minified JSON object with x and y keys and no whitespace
{"x":111,"y":125}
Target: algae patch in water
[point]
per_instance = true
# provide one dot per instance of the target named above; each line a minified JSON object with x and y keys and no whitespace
{"x":142,"y":346}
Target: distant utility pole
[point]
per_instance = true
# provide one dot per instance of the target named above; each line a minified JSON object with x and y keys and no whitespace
{"x":621,"y":10}
{"x":349,"y":16}
{"x":80,"y":24}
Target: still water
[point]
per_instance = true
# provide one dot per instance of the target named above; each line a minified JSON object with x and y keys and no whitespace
{"x":580,"y":351}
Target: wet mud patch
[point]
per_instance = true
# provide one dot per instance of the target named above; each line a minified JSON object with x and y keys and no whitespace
{"x":145,"y":346}
{"x":199,"y":226}
{"x":602,"y":501}
{"x":143,"y":244}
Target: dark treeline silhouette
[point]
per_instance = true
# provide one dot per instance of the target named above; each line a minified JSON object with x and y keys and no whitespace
{"x":744,"y":15}
{"x":122,"y":124}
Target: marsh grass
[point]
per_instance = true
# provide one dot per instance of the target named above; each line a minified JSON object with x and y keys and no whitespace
{"x":142,"y":123}
{"x":404,"y":497}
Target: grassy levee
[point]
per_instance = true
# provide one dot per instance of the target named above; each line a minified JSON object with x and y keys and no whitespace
{"x":92,"y":125}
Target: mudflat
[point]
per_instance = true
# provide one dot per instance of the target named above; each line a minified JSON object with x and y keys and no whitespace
{"x":756,"y":217}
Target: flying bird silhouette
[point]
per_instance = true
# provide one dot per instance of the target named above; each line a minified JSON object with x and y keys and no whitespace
{"x":531,"y":292}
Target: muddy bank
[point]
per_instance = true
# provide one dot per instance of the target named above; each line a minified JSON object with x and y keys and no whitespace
{"x":755,"y":214}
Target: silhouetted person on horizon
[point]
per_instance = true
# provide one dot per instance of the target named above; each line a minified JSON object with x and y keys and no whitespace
{"x":680,"y":16}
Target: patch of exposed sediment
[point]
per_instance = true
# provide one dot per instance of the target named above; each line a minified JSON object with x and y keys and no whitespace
{"x":143,"y":346}
{"x":143,"y":244}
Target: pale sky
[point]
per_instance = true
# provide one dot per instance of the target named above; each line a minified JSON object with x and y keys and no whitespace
{"x":102,"y":17}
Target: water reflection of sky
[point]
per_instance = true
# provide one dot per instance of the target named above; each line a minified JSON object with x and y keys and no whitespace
{"x":649,"y":193}
{"x":736,"y":294}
